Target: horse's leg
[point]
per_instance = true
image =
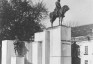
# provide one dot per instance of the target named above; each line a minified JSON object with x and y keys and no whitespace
{"x":59,"y":21}
{"x":15,"y":52}
{"x":15,"y":49}
{"x":62,"y":19}
{"x":51,"y":24}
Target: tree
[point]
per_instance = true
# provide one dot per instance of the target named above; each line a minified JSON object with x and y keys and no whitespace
{"x":21,"y":19}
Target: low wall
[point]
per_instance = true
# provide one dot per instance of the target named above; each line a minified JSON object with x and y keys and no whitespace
{"x":8,"y":52}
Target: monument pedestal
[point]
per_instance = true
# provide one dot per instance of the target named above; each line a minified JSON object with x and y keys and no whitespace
{"x":56,"y":45}
{"x":52,"y":46}
{"x":17,"y":60}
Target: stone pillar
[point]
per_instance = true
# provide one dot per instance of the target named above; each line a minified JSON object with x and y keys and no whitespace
{"x":35,"y":53}
{"x":4,"y":52}
{"x":60,"y":45}
{"x":56,"y":45}
{"x":47,"y":47}
{"x":65,"y":45}
{"x":7,"y":51}
{"x":45,"y":38}
{"x":40,"y":52}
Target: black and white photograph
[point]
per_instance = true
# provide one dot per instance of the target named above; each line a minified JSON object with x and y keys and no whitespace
{"x":46,"y":31}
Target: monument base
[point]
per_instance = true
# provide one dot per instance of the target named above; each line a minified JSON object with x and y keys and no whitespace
{"x":56,"y":45}
{"x":17,"y":60}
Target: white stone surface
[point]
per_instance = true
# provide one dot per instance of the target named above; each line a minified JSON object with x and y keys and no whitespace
{"x":45,"y":38}
{"x":13,"y":60}
{"x":35,"y":53}
{"x":17,"y":60}
{"x":55,"y":60}
{"x":7,"y":51}
{"x":55,"y":42}
{"x":39,"y":36}
{"x":66,"y":60}
{"x":60,"y":49}
{"x":53,"y":48}
{"x":47,"y":47}
{"x":66,"y":49}
{"x":39,"y":52}
{"x":4,"y":52}
{"x":65,"y":33}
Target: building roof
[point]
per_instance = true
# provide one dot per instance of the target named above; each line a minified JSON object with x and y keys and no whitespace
{"x":81,"y":30}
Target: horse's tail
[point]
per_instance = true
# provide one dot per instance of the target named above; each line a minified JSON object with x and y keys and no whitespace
{"x":51,"y":24}
{"x":51,"y":21}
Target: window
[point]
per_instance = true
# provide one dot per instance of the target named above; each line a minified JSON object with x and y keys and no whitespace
{"x":86,"y":61}
{"x":86,"y":50}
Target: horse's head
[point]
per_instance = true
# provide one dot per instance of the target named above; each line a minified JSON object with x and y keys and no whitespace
{"x":65,"y":8}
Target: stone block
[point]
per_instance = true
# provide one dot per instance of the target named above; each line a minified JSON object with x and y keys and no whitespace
{"x":17,"y":60}
{"x":66,"y":60}
{"x":66,"y":49}
{"x":65,"y":33}
{"x":55,"y":60}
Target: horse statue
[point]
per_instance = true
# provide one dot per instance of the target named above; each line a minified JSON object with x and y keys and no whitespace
{"x":53,"y":15}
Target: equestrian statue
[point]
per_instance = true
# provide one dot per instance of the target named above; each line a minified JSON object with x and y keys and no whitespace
{"x":58,"y":12}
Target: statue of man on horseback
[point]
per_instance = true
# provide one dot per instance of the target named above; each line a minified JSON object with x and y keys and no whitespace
{"x":58,"y":12}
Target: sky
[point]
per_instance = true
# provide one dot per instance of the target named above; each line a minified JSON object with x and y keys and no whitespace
{"x":80,"y":13}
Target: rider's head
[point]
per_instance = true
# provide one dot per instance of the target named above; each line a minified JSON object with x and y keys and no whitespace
{"x":58,"y":0}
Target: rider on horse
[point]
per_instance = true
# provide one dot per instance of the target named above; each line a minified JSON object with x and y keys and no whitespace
{"x":58,"y":12}
{"x":58,"y":7}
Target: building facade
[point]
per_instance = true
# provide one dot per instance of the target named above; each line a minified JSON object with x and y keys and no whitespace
{"x":83,"y":35}
{"x":86,"y":52}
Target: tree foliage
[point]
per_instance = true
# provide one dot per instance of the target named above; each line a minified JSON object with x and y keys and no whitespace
{"x":21,"y":19}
